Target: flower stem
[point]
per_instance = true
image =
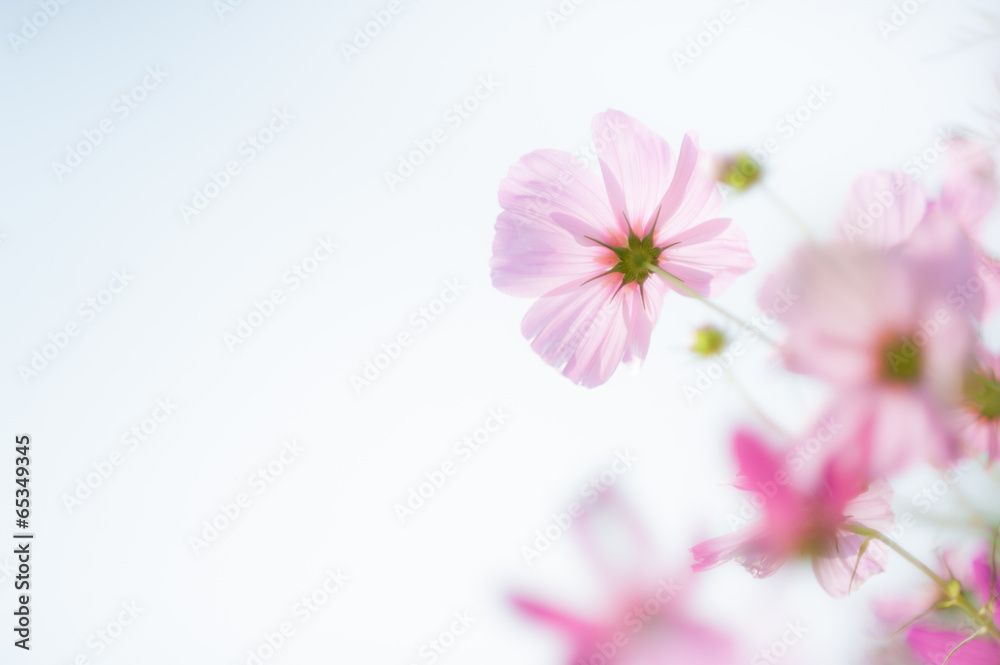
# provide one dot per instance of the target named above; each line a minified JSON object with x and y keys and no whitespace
{"x":957,"y":599}
{"x":677,"y":282}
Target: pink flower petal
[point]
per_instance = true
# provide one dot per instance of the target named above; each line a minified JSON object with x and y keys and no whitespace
{"x":883,"y":209}
{"x":637,"y":165}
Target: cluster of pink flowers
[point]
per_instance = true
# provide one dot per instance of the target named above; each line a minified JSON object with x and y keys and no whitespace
{"x":887,"y":315}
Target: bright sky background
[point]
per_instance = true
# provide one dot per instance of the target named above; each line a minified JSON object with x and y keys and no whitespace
{"x":335,"y":127}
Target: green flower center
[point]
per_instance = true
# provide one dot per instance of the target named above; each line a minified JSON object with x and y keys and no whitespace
{"x":637,"y":259}
{"x":902,"y":361}
{"x":982,"y":393}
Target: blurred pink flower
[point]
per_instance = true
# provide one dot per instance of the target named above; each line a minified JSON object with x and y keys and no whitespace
{"x":644,"y":618}
{"x":887,"y":332}
{"x":884,"y":210}
{"x":804,"y":518}
{"x":587,"y":250}
{"x":978,"y":418}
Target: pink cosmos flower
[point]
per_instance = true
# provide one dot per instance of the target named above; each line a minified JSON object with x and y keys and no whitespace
{"x":590,"y":251}
{"x":933,"y":642}
{"x":644,"y":618}
{"x":804,"y":517}
{"x":887,"y":332}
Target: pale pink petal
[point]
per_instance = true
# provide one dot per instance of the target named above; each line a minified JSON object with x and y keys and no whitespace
{"x":872,"y":508}
{"x":750,"y":547}
{"x":835,"y":569}
{"x":529,"y":260}
{"x":723,"y":257}
{"x":550,"y":181}
{"x":637,"y":165}
{"x":883,"y":209}
{"x":693,"y":195}
{"x":641,"y":317}
{"x":550,"y":206}
{"x":581,"y":331}
{"x":969,"y":191}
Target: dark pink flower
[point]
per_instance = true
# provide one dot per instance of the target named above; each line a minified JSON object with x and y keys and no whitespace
{"x":804,"y":517}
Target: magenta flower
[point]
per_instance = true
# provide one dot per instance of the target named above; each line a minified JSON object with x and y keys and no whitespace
{"x":889,"y":333}
{"x":804,"y":517}
{"x":593,"y":252}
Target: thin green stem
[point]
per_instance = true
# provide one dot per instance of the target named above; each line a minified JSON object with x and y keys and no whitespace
{"x":956,"y":599}
{"x":711,"y":305}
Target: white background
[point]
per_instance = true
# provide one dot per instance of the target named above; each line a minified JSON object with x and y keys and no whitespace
{"x":323,"y":176}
